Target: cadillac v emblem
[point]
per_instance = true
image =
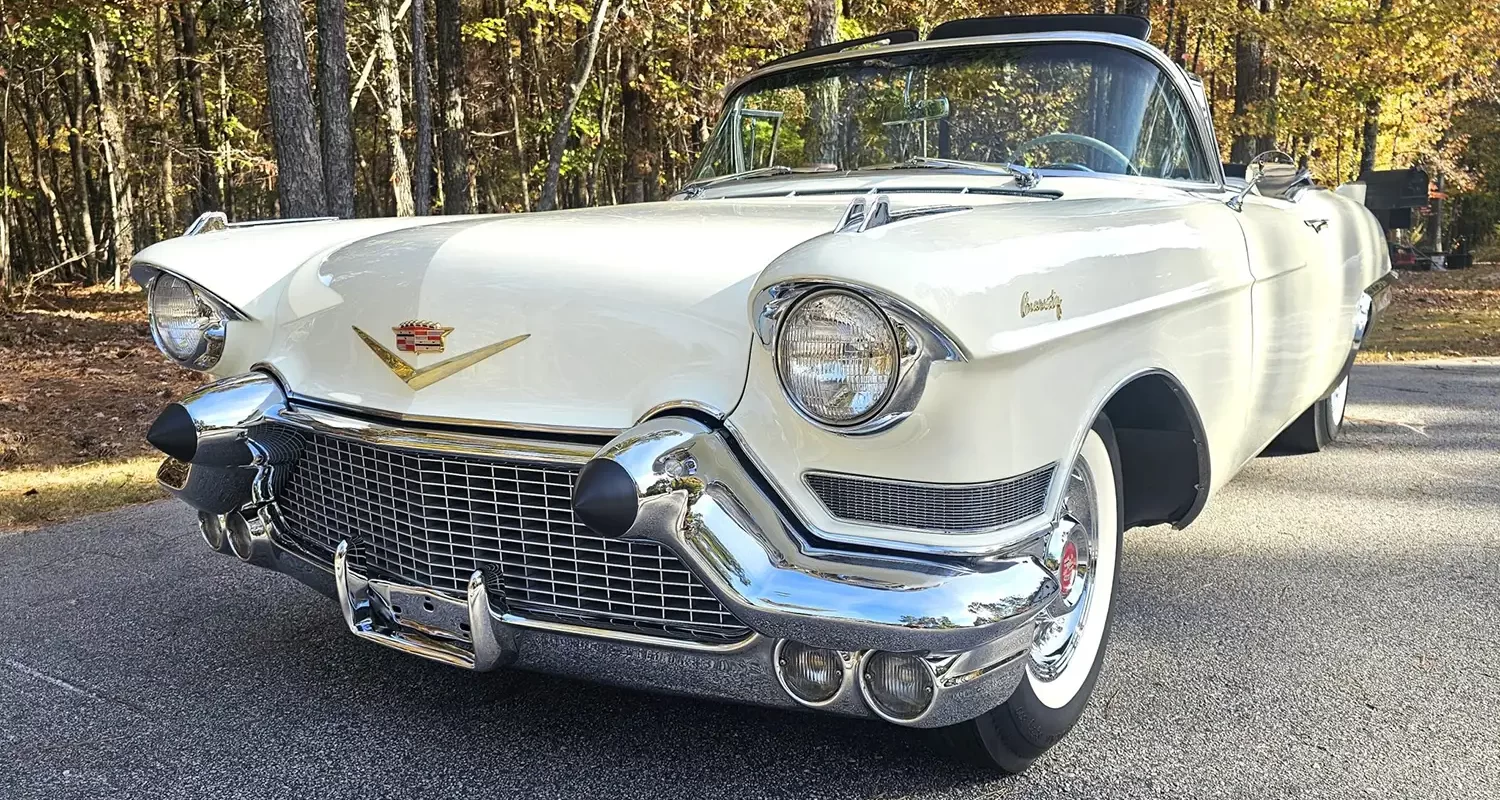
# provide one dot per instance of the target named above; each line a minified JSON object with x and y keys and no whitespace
{"x":427,"y":337}
{"x":416,"y":336}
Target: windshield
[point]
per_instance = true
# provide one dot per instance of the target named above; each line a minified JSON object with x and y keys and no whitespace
{"x":1055,"y":106}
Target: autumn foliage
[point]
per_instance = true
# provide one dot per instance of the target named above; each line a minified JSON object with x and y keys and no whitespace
{"x":124,"y":120}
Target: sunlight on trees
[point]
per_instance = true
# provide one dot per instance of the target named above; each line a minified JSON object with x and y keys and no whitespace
{"x":123,"y":120}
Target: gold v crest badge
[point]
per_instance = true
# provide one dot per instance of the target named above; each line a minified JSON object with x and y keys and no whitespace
{"x":429,"y":337}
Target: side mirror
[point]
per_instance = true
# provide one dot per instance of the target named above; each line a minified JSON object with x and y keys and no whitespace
{"x":1277,"y":173}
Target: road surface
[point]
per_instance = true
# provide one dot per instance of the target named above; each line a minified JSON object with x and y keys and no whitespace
{"x":1327,"y":629}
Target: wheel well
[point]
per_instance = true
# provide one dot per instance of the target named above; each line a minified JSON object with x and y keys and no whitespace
{"x":1163,"y":451}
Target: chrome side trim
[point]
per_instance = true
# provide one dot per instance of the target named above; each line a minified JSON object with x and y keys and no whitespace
{"x":303,"y":400}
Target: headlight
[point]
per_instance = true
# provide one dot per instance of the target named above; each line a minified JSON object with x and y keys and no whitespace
{"x":838,"y":357}
{"x":186,"y":325}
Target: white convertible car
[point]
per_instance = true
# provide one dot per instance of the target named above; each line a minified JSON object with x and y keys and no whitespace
{"x":854,"y":422}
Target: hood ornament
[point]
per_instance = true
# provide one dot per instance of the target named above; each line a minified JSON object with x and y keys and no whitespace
{"x":427,"y":337}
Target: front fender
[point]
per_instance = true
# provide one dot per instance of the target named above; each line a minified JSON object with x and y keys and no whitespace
{"x":1143,"y":287}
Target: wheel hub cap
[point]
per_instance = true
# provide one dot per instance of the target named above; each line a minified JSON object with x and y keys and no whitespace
{"x":1068,"y":569}
{"x":1072,"y":556}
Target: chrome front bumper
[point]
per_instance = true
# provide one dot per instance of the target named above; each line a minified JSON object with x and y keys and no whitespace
{"x":971,"y":621}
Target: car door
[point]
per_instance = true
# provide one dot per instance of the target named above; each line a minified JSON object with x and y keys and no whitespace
{"x":1300,"y":336}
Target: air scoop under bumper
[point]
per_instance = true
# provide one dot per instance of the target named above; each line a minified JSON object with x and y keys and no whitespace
{"x":673,"y":483}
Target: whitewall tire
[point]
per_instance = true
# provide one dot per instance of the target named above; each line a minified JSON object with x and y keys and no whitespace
{"x":1071,"y":635}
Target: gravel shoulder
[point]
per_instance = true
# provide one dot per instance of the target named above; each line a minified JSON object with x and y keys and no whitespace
{"x":1325,"y":630}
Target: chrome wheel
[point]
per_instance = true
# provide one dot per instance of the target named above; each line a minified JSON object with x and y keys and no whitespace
{"x":1069,"y":634}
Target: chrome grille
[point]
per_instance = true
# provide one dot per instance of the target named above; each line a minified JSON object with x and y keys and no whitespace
{"x":932,"y":506}
{"x":430,"y":519}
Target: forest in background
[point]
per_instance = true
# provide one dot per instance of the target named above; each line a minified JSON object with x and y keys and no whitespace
{"x":122,"y":121}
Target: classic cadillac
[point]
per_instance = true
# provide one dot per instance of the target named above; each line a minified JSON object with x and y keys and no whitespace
{"x":854,"y":422}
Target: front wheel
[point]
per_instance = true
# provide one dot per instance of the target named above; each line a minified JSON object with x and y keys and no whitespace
{"x":1071,"y":635}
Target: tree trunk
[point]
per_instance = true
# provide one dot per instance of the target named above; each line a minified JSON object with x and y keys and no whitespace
{"x":821,"y":146}
{"x":82,"y":183}
{"x":421,"y":99}
{"x":390,"y":80}
{"x":116,"y":158}
{"x":32,"y":122}
{"x":455,"y":156}
{"x":225,"y":161}
{"x":336,"y":133}
{"x":1250,"y":92}
{"x":633,"y":128}
{"x":1369,"y":135}
{"x":1138,"y":8}
{"x":1101,"y":6}
{"x":208,"y":177}
{"x":583,"y":61}
{"x":1179,"y":40}
{"x":299,"y":163}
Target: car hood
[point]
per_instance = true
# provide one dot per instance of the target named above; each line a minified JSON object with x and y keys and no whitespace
{"x":604,"y":314}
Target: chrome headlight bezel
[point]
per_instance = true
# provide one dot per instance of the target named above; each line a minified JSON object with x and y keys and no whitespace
{"x":920,"y":343}
{"x":213,"y":328}
{"x":880,"y":321}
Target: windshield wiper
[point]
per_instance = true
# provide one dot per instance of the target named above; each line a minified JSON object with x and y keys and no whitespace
{"x":1025,"y":176}
{"x":698,"y":187}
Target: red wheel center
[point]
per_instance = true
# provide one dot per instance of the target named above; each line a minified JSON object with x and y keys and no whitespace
{"x":1067,"y":568}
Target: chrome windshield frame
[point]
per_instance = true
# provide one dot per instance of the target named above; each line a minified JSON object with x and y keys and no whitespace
{"x":1202,"y":127}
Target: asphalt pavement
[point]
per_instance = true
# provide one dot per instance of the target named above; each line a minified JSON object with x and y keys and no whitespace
{"x":1327,"y":629}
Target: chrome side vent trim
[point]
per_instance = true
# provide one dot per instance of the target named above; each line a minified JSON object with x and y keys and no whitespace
{"x":932,"y":506}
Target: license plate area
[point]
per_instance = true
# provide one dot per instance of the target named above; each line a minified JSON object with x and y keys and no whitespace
{"x":423,"y":611}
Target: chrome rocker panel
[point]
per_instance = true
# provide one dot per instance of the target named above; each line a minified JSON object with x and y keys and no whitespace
{"x":973,"y":621}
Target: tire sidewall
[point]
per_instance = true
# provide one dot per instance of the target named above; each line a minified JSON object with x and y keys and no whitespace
{"x":1024,"y":727}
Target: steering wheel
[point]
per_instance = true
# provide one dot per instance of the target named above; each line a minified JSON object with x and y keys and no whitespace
{"x":1088,"y":141}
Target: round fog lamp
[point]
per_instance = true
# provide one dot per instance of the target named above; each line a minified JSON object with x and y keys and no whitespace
{"x":811,"y":675}
{"x":897,"y":686}
{"x":213,"y":532}
{"x":239,"y":535}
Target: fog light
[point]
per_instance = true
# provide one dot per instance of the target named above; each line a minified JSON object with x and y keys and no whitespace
{"x":238,"y":531}
{"x":811,"y":675}
{"x":898,"y":687}
{"x":213,"y":532}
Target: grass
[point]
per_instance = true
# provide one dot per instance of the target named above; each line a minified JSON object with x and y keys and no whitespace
{"x":31,"y":497}
{"x":1439,"y":315}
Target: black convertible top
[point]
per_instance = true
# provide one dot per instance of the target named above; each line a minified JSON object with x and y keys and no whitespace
{"x":1124,"y":25}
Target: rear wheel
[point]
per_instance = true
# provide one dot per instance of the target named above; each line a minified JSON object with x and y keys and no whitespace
{"x":1318,"y":426}
{"x":1068,"y":648}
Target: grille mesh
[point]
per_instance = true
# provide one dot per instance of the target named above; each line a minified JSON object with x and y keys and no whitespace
{"x":932,"y":506}
{"x":431,"y":519}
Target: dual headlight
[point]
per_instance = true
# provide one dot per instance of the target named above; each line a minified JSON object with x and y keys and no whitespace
{"x":839,"y":357}
{"x":188,"y":326}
